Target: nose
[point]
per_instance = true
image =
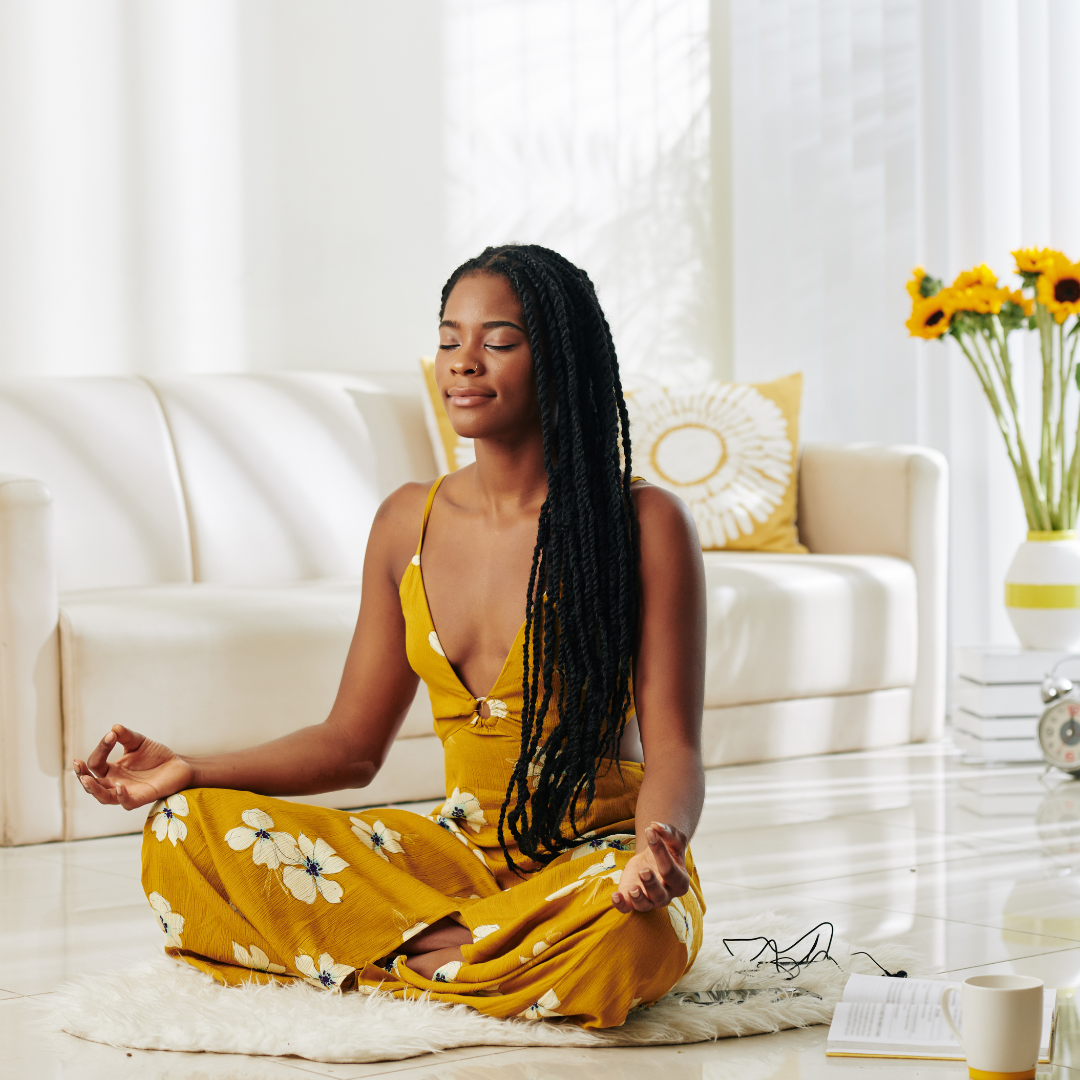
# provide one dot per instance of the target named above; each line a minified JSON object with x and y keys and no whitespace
{"x":467,"y":360}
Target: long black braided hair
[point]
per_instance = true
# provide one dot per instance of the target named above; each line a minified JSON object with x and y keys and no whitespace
{"x":581,"y":608}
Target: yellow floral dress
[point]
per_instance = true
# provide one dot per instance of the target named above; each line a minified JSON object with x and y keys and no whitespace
{"x":247,"y":887}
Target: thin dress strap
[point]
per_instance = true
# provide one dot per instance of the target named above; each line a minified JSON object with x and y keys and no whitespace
{"x":427,"y":514}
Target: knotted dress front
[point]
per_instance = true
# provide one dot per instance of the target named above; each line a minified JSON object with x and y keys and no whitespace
{"x":247,"y":887}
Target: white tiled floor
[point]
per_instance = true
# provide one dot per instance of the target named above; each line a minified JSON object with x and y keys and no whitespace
{"x":978,"y":868}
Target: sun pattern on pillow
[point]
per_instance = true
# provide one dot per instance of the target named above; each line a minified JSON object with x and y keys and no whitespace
{"x":729,"y":451}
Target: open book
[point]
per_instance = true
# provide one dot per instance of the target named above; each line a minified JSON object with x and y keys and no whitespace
{"x":901,"y":1018}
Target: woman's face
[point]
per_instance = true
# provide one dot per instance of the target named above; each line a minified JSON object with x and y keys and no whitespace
{"x":485,"y":364}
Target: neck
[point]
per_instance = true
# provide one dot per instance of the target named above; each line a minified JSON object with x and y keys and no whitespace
{"x":510,"y":470}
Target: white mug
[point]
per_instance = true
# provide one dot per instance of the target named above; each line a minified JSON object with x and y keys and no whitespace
{"x":1002,"y":1020}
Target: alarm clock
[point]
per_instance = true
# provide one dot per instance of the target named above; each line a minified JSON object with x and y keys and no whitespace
{"x":1059,"y":725}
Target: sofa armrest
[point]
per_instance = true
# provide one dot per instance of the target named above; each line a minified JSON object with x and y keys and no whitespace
{"x":888,"y":500}
{"x":31,"y":750}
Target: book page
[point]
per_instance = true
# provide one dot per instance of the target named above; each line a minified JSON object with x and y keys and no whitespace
{"x":873,"y":1023}
{"x":898,"y":991}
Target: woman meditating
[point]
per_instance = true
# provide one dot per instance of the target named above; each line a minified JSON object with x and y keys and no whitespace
{"x":555,"y":609}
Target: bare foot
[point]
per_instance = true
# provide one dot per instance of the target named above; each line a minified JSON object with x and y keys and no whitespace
{"x":428,"y":963}
{"x":443,"y":934}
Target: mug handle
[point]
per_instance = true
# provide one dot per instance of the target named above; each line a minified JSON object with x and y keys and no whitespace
{"x":948,"y":1015}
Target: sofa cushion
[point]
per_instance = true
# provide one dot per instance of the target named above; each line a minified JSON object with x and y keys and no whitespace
{"x":283,"y":473}
{"x":102,"y":448}
{"x":794,"y":626}
{"x":202,"y":668}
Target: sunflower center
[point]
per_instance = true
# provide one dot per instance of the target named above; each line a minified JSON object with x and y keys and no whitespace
{"x":1067,"y":291}
{"x":935,"y":318}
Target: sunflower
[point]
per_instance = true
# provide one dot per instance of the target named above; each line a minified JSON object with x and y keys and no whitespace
{"x":1059,"y":289}
{"x":977,"y":275}
{"x":930,"y":315}
{"x":914,"y":286}
{"x":1025,"y":303}
{"x":978,"y":299}
{"x":1034,"y":261}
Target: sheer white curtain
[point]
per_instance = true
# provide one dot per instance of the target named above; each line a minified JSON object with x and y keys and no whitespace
{"x":213,"y":185}
{"x":585,"y":127}
{"x":871,"y":135}
{"x":120,"y":220}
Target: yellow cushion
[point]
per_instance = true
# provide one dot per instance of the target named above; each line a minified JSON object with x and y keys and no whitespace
{"x":452,"y":452}
{"x":730,"y":452}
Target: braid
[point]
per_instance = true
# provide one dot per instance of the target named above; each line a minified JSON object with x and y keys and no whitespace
{"x":581,"y":607}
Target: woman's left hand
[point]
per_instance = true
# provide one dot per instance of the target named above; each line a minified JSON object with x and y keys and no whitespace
{"x":655,"y":876}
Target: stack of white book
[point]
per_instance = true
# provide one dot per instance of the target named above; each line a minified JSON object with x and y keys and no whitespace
{"x":997,"y":700}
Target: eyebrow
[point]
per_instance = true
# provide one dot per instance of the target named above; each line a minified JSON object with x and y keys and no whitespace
{"x":487,"y":326}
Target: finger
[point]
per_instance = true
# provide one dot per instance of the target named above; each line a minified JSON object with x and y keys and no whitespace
{"x":661,"y":854}
{"x":128,"y":739}
{"x":674,"y":839}
{"x":132,"y":800}
{"x":97,"y":762}
{"x":102,"y":792}
{"x":638,"y":898}
{"x":655,"y":889}
{"x":620,"y":903}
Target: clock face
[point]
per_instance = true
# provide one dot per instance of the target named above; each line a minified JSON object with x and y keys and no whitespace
{"x":1059,"y":735}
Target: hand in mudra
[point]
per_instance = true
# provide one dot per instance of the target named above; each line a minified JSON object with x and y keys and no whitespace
{"x":147,"y":770}
{"x":653,"y":877}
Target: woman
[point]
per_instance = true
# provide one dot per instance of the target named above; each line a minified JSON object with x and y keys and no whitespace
{"x":555,"y":880}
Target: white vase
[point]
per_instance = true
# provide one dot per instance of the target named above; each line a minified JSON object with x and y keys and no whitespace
{"x":1042,"y":591}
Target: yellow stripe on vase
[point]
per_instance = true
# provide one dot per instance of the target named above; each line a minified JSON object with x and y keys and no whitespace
{"x":1047,"y":536}
{"x":1041,"y":596}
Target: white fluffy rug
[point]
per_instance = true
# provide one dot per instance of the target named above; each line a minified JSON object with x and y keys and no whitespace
{"x":166,"y":1005}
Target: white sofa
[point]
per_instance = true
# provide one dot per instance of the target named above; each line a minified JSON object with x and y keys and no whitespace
{"x":183,"y":555}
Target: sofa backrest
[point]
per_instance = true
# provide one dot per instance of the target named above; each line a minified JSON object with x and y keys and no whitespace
{"x":282,"y":474}
{"x":102,"y":447}
{"x":224,"y":478}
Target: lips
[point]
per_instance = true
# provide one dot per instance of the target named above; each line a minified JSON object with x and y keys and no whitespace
{"x":468,"y":396}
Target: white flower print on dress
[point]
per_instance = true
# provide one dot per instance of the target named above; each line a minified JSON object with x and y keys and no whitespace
{"x":172,"y":922}
{"x":325,"y":973}
{"x":271,"y":849}
{"x":601,"y":871}
{"x":451,"y":826}
{"x":413,"y":931}
{"x":447,"y":972}
{"x":463,"y":807}
{"x":378,"y":838}
{"x":256,"y":959}
{"x":433,"y":641}
{"x":308,"y":879}
{"x":168,"y":823}
{"x":483,"y":931}
{"x":546,"y":1006}
{"x":615,"y":842}
{"x":681,"y":922}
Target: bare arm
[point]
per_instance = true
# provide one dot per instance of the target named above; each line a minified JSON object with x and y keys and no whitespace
{"x":669,"y":691}
{"x":345,"y":750}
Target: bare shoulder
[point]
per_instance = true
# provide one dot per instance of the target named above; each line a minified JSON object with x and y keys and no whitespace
{"x":395,"y":531}
{"x":664,"y":519}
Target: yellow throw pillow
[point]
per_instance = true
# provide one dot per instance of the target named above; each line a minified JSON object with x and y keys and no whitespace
{"x":452,"y":452}
{"x":730,"y":452}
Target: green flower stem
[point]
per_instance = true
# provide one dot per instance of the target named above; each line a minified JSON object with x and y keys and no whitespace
{"x":1002,"y":364}
{"x":1005,"y":367}
{"x":1030,"y":491}
{"x":1046,"y":342}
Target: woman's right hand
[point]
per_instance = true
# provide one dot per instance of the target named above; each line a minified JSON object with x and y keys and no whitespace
{"x":147,"y":770}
